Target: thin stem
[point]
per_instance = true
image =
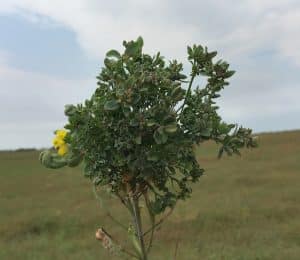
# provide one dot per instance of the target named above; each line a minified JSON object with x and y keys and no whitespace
{"x":152,"y":220}
{"x":138,"y":226}
{"x":129,"y":253}
{"x":153,"y":189}
{"x":124,"y":250}
{"x":176,"y":248}
{"x":105,"y":209}
{"x":123,"y":200}
{"x":160,"y":221}
{"x":187,"y":94}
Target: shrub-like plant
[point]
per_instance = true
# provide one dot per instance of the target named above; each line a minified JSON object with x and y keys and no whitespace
{"x":136,"y":135}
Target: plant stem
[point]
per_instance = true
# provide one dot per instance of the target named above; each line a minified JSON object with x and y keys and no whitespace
{"x":152,"y":220}
{"x":138,"y":226}
{"x":187,"y":94}
{"x":160,"y":221}
{"x":105,"y":209}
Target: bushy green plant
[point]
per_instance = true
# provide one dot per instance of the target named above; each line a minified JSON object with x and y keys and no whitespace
{"x":137,"y":133}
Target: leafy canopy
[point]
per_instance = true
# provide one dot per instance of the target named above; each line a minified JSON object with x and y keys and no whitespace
{"x":139,"y":128}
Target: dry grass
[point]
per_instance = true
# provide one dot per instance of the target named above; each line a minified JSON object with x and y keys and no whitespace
{"x":243,"y":208}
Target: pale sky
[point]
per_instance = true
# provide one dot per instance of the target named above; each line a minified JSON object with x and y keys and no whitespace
{"x":51,"y":52}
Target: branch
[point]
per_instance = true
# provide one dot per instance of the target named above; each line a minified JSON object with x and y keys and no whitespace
{"x":129,"y":253}
{"x":138,"y":226}
{"x":160,"y":221}
{"x":108,"y":242}
{"x":152,"y":219}
{"x":176,"y":248}
{"x":123,"y":201}
{"x":105,"y":209}
{"x":187,"y":94}
{"x":153,"y":189}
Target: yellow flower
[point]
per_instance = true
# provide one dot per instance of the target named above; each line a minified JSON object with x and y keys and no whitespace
{"x":62,"y":150}
{"x":59,"y":142}
{"x":61,"y":133}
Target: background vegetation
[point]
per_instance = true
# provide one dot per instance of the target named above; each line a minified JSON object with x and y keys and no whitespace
{"x":243,"y":208}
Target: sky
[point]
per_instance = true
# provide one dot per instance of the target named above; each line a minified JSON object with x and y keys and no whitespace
{"x":52,"y":51}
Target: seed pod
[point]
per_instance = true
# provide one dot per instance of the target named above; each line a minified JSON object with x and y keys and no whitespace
{"x":99,"y":234}
{"x":52,"y":160}
{"x":74,"y":160}
{"x":103,"y":236}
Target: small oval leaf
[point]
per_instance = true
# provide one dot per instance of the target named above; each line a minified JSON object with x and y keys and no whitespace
{"x":160,"y":136}
{"x":111,"y":105}
{"x":150,"y":122}
{"x":171,"y":128}
{"x":113,"y":54}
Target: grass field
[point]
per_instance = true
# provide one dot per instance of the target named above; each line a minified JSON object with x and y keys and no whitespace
{"x":244,"y":208}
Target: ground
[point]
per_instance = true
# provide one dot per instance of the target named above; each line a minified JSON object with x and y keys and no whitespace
{"x":244,"y":208}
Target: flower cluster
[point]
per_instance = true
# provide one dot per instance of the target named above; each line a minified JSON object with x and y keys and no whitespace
{"x":59,"y":142}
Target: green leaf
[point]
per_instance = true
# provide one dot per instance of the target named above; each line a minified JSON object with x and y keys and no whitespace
{"x":134,"y":122}
{"x":101,"y":181}
{"x":177,"y":93}
{"x":126,"y":111}
{"x":229,"y":73}
{"x":120,"y":92}
{"x":138,"y":139}
{"x":169,"y":119}
{"x":150,"y":122}
{"x":109,"y":63}
{"x":212,"y":54}
{"x":111,"y":105}
{"x":74,"y":159}
{"x":182,"y":76}
{"x":134,"y":48}
{"x":224,"y":128}
{"x":153,"y":156}
{"x":156,"y":207}
{"x":113,"y":54}
{"x":206,"y":132}
{"x":189,"y":51}
{"x":70,"y":110}
{"x":136,"y":98}
{"x":160,"y":136}
{"x":171,"y":128}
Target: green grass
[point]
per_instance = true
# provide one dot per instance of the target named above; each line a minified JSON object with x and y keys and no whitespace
{"x":244,"y":208}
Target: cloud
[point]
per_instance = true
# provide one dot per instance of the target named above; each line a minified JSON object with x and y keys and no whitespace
{"x":35,"y":96}
{"x":260,"y":38}
{"x":260,"y":105}
{"x":32,"y":105}
{"x":4,"y":56}
{"x":235,"y":27}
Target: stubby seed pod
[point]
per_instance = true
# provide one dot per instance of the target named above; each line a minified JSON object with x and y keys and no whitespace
{"x":99,"y":234}
{"x":52,"y":160}
{"x":74,"y":160}
{"x":103,"y":236}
